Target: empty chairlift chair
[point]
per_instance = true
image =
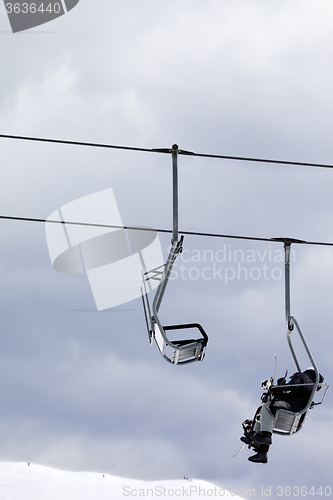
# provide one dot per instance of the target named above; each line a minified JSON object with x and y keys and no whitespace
{"x":175,"y":351}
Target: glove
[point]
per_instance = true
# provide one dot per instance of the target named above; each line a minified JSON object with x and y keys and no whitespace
{"x":264,"y":397}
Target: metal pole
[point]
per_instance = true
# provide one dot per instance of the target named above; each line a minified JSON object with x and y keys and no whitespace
{"x":287,"y":247}
{"x":168,"y":266}
{"x":175,"y":191}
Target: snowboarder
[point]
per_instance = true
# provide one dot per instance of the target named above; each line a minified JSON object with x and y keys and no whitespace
{"x":258,"y":432}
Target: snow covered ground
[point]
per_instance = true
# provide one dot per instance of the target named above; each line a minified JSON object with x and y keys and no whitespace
{"x":20,"y":481}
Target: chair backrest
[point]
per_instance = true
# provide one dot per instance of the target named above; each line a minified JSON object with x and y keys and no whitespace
{"x":287,"y":422}
{"x":193,"y":351}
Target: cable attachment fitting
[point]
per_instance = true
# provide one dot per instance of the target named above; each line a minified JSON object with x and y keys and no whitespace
{"x":290,"y":324}
{"x":179,"y":247}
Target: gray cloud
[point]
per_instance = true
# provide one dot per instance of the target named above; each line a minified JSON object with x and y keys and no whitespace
{"x":84,"y":390}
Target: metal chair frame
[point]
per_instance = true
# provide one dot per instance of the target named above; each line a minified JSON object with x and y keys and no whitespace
{"x":175,"y":351}
{"x":288,"y":422}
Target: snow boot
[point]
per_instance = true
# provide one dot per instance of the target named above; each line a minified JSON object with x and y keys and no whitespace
{"x":259,"y":458}
{"x":247,"y":439}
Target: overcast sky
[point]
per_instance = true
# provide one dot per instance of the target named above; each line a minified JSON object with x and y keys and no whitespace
{"x":84,"y":390}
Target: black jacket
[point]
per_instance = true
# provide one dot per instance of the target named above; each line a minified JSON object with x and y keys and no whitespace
{"x":296,"y":397}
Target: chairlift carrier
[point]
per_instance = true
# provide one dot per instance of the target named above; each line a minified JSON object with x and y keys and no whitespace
{"x":288,"y":422}
{"x":176,"y":351}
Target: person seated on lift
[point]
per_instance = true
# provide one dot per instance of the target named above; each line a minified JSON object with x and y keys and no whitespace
{"x":258,"y":432}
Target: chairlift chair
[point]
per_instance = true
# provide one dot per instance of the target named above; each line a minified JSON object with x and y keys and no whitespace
{"x":287,"y":422}
{"x":175,"y":351}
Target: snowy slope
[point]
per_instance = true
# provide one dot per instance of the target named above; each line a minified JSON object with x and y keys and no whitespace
{"x":20,"y":481}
